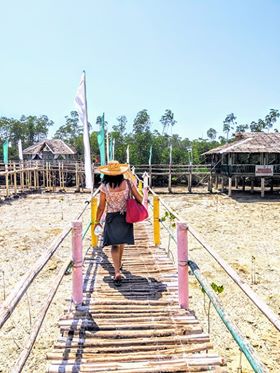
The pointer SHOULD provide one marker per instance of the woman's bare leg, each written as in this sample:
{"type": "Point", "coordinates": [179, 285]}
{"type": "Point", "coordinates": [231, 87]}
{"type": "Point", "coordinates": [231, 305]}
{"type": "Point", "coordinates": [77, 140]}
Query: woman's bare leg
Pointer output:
{"type": "Point", "coordinates": [115, 251]}
{"type": "Point", "coordinates": [121, 254]}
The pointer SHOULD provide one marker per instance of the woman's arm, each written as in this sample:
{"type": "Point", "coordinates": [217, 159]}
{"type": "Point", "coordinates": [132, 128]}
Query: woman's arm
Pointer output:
{"type": "Point", "coordinates": [136, 194]}
{"type": "Point", "coordinates": [101, 208]}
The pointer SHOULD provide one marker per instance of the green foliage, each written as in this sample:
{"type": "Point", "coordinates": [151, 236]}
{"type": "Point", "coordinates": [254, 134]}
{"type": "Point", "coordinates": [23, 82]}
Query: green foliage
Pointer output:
{"type": "Point", "coordinates": [168, 216]}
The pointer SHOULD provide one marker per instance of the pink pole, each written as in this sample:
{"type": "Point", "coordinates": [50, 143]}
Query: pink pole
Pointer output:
{"type": "Point", "coordinates": [77, 256]}
{"type": "Point", "coordinates": [182, 251]}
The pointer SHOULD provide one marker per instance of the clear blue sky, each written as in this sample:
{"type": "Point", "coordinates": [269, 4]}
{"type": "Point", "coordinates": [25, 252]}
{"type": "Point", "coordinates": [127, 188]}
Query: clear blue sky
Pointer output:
{"type": "Point", "coordinates": [203, 59]}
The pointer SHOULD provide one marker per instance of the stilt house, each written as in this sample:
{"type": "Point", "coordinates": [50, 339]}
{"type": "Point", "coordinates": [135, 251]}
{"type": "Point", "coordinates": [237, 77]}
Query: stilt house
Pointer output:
{"type": "Point", "coordinates": [253, 155]}
{"type": "Point", "coordinates": [50, 150]}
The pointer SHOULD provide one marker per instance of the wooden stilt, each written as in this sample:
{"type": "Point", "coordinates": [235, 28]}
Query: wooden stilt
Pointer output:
{"type": "Point", "coordinates": [190, 180]}
{"type": "Point", "coordinates": [262, 187]}
{"type": "Point", "coordinates": [210, 183]}
{"type": "Point", "coordinates": [243, 184]}
{"type": "Point", "coordinates": [7, 180]}
{"type": "Point", "coordinates": [252, 186]}
{"type": "Point", "coordinates": [15, 178]}
{"type": "Point", "coordinates": [229, 186]}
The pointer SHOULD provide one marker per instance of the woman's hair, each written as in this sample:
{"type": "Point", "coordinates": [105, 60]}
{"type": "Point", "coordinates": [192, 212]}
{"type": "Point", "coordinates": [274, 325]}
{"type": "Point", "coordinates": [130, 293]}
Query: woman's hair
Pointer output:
{"type": "Point", "coordinates": [114, 181]}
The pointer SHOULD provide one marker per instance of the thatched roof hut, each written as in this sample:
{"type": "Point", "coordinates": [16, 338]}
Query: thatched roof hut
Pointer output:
{"type": "Point", "coordinates": [50, 150]}
{"type": "Point", "coordinates": [250, 142]}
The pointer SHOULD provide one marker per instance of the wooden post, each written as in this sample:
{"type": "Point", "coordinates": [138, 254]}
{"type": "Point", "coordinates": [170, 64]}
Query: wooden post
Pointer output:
{"type": "Point", "coordinates": [59, 175]}
{"type": "Point", "coordinates": [150, 176]}
{"type": "Point", "coordinates": [156, 221]}
{"type": "Point", "coordinates": [77, 278]}
{"type": "Point", "coordinates": [229, 186]}
{"type": "Point", "coordinates": [44, 176]}
{"type": "Point", "coordinates": [21, 176]}
{"type": "Point", "coordinates": [210, 183]}
{"type": "Point", "coordinates": [146, 190]}
{"type": "Point", "coordinates": [252, 186]}
{"type": "Point", "coordinates": [190, 180]}
{"type": "Point", "coordinates": [243, 184]}
{"type": "Point", "coordinates": [236, 182]}
{"type": "Point", "coordinates": [62, 175]}
{"type": "Point", "coordinates": [223, 185]}
{"type": "Point", "coordinates": [7, 180]}
{"type": "Point", "coordinates": [94, 238]}
{"type": "Point", "coordinates": [262, 187]}
{"type": "Point", "coordinates": [77, 178]}
{"type": "Point", "coordinates": [15, 178]}
{"type": "Point", "coordinates": [182, 251]}
{"type": "Point", "coordinates": [216, 182]}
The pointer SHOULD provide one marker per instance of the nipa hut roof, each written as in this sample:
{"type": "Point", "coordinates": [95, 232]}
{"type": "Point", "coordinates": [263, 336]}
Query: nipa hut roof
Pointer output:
{"type": "Point", "coordinates": [250, 142]}
{"type": "Point", "coordinates": [55, 146]}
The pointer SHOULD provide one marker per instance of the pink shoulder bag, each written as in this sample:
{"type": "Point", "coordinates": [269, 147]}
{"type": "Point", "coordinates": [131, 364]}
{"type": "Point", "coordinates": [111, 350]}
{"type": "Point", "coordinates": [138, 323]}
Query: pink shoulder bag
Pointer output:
{"type": "Point", "coordinates": [135, 211]}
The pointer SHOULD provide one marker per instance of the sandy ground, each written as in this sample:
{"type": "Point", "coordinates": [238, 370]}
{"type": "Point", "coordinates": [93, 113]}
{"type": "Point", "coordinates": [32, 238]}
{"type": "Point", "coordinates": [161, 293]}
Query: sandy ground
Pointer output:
{"type": "Point", "coordinates": [238, 229]}
{"type": "Point", "coordinates": [244, 231]}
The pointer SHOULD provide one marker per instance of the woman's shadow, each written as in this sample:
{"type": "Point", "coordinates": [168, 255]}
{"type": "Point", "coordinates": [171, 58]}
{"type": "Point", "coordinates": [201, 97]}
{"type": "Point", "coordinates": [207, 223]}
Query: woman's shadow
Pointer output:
{"type": "Point", "coordinates": [132, 286]}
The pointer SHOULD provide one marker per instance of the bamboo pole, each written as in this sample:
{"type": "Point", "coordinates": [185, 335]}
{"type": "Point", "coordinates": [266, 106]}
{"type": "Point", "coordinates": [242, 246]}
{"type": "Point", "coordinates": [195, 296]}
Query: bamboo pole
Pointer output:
{"type": "Point", "coordinates": [62, 175]}
{"type": "Point", "coordinates": [7, 180]}
{"type": "Point", "coordinates": [59, 175]}
{"type": "Point", "coordinates": [190, 180]}
{"type": "Point", "coordinates": [37, 326]}
{"type": "Point", "coordinates": [156, 221]}
{"type": "Point", "coordinates": [15, 178]}
{"type": "Point", "coordinates": [94, 238]}
{"type": "Point", "coordinates": [262, 187]}
{"type": "Point", "coordinates": [77, 274]}
{"type": "Point", "coordinates": [21, 177]}
{"type": "Point", "coordinates": [15, 296]}
{"type": "Point", "coordinates": [182, 251]}
{"type": "Point", "coordinates": [240, 340]}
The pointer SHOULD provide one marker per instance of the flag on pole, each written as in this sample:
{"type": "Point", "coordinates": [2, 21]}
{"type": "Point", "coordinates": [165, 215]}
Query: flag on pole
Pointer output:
{"type": "Point", "coordinates": [127, 154]}
{"type": "Point", "coordinates": [81, 107]}
{"type": "Point", "coordinates": [20, 155]}
{"type": "Point", "coordinates": [101, 141]}
{"type": "Point", "coordinates": [6, 151]}
{"type": "Point", "coordinates": [150, 156]}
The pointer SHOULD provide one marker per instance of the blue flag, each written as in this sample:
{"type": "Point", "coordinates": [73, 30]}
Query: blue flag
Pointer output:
{"type": "Point", "coordinates": [5, 151]}
{"type": "Point", "coordinates": [101, 141]}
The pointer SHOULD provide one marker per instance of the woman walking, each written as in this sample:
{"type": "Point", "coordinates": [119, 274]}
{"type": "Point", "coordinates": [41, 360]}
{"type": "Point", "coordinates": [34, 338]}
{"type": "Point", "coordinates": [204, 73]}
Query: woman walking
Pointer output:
{"type": "Point", "coordinates": [114, 193]}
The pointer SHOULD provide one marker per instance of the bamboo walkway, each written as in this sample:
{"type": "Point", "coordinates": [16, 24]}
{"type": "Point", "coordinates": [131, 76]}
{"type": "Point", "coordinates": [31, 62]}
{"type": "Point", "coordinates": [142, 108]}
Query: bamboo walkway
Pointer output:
{"type": "Point", "coordinates": [137, 327]}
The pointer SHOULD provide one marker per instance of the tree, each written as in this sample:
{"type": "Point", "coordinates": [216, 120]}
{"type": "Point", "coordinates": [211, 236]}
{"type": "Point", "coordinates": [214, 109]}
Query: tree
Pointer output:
{"type": "Point", "coordinates": [242, 127]}
{"type": "Point", "coordinates": [71, 130]}
{"type": "Point", "coordinates": [212, 133]}
{"type": "Point", "coordinates": [142, 122]}
{"type": "Point", "coordinates": [229, 124]}
{"type": "Point", "coordinates": [121, 126]}
{"type": "Point", "coordinates": [167, 120]}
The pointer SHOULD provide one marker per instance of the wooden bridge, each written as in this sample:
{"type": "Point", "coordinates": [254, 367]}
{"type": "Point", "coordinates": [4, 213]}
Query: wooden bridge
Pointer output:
{"type": "Point", "coordinates": [137, 327]}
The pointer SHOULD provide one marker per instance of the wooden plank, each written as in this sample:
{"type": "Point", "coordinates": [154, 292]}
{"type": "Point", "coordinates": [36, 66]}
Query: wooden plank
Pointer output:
{"type": "Point", "coordinates": [138, 327]}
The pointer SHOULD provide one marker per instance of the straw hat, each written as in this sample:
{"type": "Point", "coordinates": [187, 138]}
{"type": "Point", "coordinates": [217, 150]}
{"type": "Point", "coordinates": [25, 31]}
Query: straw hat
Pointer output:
{"type": "Point", "coordinates": [113, 168]}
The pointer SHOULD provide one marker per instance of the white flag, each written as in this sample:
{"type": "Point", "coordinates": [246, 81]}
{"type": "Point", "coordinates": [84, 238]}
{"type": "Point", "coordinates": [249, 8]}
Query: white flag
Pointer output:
{"type": "Point", "coordinates": [20, 155]}
{"type": "Point", "coordinates": [127, 154]}
{"type": "Point", "coordinates": [81, 107]}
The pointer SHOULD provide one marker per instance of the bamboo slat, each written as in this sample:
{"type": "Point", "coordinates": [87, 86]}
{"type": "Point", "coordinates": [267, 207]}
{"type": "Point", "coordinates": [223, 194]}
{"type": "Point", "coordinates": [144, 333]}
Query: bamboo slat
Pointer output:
{"type": "Point", "coordinates": [137, 327]}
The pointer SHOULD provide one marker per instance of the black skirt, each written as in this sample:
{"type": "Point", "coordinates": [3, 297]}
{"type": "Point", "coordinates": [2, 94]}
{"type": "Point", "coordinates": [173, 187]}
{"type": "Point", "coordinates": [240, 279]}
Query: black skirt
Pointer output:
{"type": "Point", "coordinates": [116, 230]}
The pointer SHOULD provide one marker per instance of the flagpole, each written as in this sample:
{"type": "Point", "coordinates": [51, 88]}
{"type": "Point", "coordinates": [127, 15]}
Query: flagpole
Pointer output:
{"type": "Point", "coordinates": [87, 149]}
{"type": "Point", "coordinates": [81, 106]}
